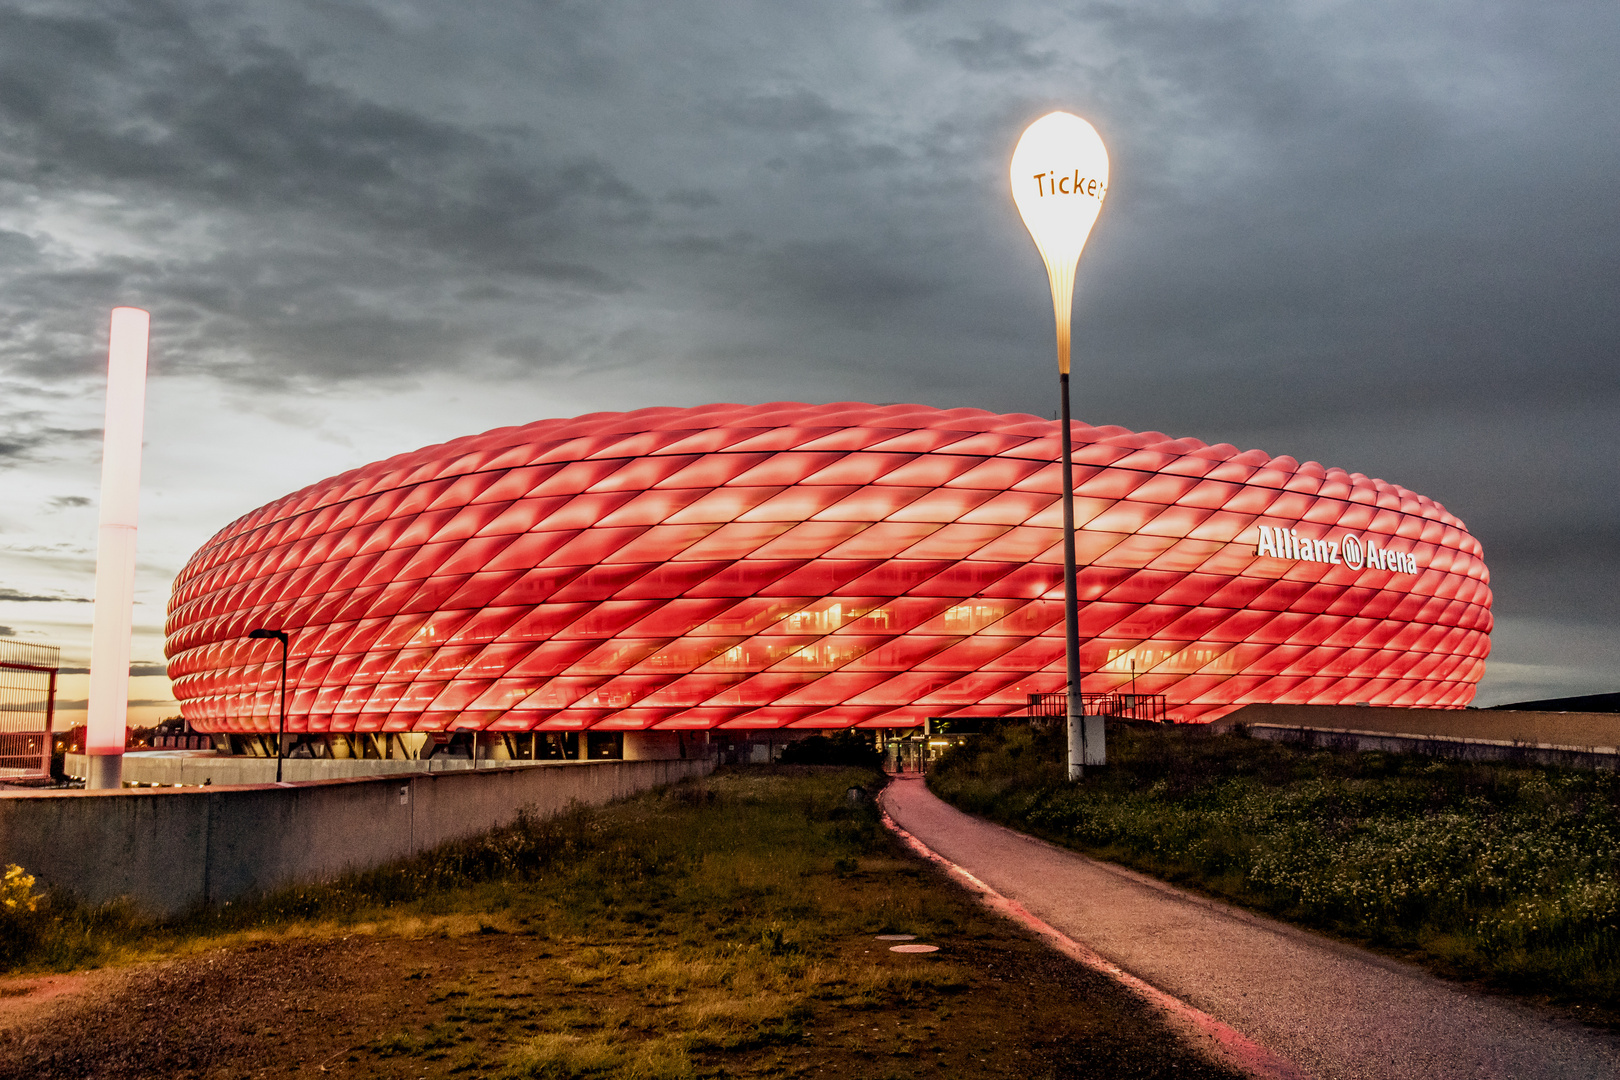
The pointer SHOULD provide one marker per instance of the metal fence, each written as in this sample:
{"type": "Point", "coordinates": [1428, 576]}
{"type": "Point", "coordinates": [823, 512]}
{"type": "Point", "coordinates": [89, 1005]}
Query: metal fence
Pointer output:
{"type": "Point", "coordinates": [1149, 707]}
{"type": "Point", "coordinates": [27, 708]}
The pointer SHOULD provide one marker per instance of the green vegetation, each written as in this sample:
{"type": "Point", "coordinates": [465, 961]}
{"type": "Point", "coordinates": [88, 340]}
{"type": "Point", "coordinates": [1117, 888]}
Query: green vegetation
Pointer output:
{"type": "Point", "coordinates": [1486, 871]}
{"type": "Point", "coordinates": [849, 747]}
{"type": "Point", "coordinates": [20, 918]}
{"type": "Point", "coordinates": [720, 927]}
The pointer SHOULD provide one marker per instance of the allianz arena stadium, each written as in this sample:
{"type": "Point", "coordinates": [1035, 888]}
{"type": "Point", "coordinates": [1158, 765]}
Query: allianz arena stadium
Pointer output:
{"type": "Point", "coordinates": [818, 566]}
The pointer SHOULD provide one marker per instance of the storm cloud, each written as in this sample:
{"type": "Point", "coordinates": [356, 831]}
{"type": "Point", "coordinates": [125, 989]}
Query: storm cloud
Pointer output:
{"type": "Point", "coordinates": [15, 596]}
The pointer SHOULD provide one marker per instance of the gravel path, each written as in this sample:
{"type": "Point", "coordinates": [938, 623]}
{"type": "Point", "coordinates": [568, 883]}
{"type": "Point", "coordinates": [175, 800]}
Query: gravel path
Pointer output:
{"type": "Point", "coordinates": [1333, 1010]}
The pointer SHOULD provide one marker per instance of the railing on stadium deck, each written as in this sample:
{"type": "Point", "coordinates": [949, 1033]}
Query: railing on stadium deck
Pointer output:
{"type": "Point", "coordinates": [27, 708]}
{"type": "Point", "coordinates": [1148, 707]}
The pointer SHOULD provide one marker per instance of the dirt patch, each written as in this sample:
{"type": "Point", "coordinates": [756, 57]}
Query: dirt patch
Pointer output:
{"type": "Point", "coordinates": [997, 1005]}
{"type": "Point", "coordinates": [22, 1000]}
{"type": "Point", "coordinates": [223, 1014]}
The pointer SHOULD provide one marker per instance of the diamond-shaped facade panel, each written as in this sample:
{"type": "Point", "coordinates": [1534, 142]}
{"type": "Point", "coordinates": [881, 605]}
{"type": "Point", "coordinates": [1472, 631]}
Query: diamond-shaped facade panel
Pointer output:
{"type": "Point", "coordinates": [818, 566]}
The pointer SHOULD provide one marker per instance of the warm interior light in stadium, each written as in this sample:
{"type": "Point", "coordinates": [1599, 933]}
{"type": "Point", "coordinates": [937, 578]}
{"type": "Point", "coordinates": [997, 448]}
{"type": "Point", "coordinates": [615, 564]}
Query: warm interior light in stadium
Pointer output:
{"type": "Point", "coordinates": [1059, 176]}
{"type": "Point", "coordinates": [105, 728]}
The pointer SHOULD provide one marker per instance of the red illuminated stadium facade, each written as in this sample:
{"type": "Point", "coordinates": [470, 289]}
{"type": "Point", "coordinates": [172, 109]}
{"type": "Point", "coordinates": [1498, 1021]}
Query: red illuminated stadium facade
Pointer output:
{"type": "Point", "coordinates": [813, 566]}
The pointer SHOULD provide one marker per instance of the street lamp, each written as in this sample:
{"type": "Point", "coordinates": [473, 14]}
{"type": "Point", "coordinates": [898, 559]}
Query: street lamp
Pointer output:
{"type": "Point", "coordinates": [281, 723]}
{"type": "Point", "coordinates": [1059, 176]}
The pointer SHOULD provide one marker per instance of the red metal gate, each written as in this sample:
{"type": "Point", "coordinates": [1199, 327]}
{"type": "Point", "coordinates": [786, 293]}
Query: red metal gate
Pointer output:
{"type": "Point", "coordinates": [27, 708]}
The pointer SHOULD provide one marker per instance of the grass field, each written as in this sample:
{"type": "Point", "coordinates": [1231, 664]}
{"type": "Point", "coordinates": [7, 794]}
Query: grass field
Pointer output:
{"type": "Point", "coordinates": [719, 928]}
{"type": "Point", "coordinates": [1501, 873]}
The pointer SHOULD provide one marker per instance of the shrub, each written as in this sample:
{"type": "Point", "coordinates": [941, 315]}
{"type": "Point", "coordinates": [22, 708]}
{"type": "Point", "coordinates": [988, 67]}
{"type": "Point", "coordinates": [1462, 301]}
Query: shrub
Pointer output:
{"type": "Point", "coordinates": [849, 748]}
{"type": "Point", "coordinates": [21, 920]}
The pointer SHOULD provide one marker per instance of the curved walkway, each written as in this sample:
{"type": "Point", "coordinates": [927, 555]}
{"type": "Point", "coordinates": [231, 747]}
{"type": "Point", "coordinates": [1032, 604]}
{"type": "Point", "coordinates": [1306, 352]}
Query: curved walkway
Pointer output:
{"type": "Point", "coordinates": [1335, 1012]}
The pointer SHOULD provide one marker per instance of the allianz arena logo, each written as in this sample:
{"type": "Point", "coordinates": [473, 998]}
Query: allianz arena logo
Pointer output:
{"type": "Point", "coordinates": [1348, 550]}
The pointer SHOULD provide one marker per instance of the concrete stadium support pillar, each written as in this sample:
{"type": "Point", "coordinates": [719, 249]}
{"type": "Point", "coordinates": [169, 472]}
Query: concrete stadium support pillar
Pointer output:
{"type": "Point", "coordinates": [106, 730]}
{"type": "Point", "coordinates": [654, 746]}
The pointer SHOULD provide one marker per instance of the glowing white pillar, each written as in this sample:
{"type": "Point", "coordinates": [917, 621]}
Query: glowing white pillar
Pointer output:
{"type": "Point", "coordinates": [115, 552]}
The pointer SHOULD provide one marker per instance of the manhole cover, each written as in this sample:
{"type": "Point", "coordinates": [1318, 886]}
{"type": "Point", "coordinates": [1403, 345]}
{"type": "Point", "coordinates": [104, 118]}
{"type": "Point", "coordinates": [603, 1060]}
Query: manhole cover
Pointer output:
{"type": "Point", "coordinates": [897, 937]}
{"type": "Point", "coordinates": [914, 948]}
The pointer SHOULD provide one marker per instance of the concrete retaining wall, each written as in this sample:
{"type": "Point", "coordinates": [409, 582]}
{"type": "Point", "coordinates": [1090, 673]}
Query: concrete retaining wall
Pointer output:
{"type": "Point", "coordinates": [1572, 729]}
{"type": "Point", "coordinates": [1577, 740]}
{"type": "Point", "coordinates": [170, 849]}
{"type": "Point", "coordinates": [1578, 757]}
{"type": "Point", "coordinates": [198, 767]}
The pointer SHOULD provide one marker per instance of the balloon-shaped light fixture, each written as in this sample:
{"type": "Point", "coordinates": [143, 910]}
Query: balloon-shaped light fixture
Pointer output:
{"type": "Point", "coordinates": [1059, 176]}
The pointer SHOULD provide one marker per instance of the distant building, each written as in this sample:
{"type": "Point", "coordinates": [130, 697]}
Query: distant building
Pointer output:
{"type": "Point", "coordinates": [795, 565]}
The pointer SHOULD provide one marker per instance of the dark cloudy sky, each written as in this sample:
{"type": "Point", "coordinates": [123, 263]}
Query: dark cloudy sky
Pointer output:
{"type": "Point", "coordinates": [1383, 235]}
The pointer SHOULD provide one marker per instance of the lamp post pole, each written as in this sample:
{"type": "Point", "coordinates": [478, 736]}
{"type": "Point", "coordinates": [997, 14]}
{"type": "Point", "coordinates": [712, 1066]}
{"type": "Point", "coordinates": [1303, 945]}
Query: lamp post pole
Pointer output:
{"type": "Point", "coordinates": [1071, 590]}
{"type": "Point", "coordinates": [1059, 176]}
{"type": "Point", "coordinates": [281, 698]}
